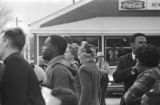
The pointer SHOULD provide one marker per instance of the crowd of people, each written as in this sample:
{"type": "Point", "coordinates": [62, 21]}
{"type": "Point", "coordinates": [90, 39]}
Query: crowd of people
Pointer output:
{"type": "Point", "coordinates": [75, 74]}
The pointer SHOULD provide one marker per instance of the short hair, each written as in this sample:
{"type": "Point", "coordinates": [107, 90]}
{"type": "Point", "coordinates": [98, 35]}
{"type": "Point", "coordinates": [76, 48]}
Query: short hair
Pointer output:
{"type": "Point", "coordinates": [134, 36]}
{"type": "Point", "coordinates": [16, 36]}
{"type": "Point", "coordinates": [67, 96]}
{"type": "Point", "coordinates": [59, 42]}
{"type": "Point", "coordinates": [148, 56]}
{"type": "Point", "coordinates": [73, 49]}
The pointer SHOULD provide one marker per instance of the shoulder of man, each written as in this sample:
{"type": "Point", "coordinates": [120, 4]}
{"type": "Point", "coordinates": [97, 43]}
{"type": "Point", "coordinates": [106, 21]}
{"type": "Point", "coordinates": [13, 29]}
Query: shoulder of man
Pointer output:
{"type": "Point", "coordinates": [65, 66]}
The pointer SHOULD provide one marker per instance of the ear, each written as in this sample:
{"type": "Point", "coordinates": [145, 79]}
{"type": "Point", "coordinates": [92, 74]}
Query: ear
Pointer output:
{"type": "Point", "coordinates": [5, 42]}
{"type": "Point", "coordinates": [55, 48]}
{"type": "Point", "coordinates": [132, 45]}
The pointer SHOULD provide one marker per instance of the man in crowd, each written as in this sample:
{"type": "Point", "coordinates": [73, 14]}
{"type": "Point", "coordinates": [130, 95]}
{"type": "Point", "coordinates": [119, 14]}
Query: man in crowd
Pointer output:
{"type": "Point", "coordinates": [19, 83]}
{"type": "Point", "coordinates": [59, 73]}
{"type": "Point", "coordinates": [148, 81]}
{"type": "Point", "coordinates": [104, 70]}
{"type": "Point", "coordinates": [126, 71]}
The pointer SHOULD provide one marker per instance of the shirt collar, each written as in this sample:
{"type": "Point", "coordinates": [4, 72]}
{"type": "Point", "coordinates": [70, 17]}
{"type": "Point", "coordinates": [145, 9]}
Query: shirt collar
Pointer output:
{"type": "Point", "coordinates": [133, 56]}
{"type": "Point", "coordinates": [54, 60]}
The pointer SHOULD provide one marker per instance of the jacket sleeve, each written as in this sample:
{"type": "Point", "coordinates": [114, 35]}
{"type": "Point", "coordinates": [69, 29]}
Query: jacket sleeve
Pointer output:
{"type": "Point", "coordinates": [86, 87]}
{"type": "Point", "coordinates": [142, 85]}
{"type": "Point", "coordinates": [121, 72]}
{"type": "Point", "coordinates": [16, 82]}
{"type": "Point", "coordinates": [61, 77]}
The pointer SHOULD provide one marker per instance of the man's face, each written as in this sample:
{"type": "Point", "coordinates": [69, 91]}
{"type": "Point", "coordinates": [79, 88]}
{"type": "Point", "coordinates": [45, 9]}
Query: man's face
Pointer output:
{"type": "Point", "coordinates": [101, 58]}
{"type": "Point", "coordinates": [140, 41]}
{"type": "Point", "coordinates": [48, 50]}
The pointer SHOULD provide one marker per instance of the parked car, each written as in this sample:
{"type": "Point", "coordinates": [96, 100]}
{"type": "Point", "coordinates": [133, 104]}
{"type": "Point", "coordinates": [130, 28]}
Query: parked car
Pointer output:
{"type": "Point", "coordinates": [114, 88]}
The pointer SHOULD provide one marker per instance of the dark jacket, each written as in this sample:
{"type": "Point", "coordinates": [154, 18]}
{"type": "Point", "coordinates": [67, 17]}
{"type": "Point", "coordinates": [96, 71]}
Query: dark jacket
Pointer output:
{"type": "Point", "coordinates": [20, 85]}
{"type": "Point", "coordinates": [60, 74]}
{"type": "Point", "coordinates": [1, 77]}
{"type": "Point", "coordinates": [88, 84]}
{"type": "Point", "coordinates": [123, 71]}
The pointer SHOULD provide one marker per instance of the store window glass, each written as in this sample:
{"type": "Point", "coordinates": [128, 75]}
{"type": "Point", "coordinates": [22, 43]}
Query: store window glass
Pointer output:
{"type": "Point", "coordinates": [115, 47]}
{"type": "Point", "coordinates": [155, 40]}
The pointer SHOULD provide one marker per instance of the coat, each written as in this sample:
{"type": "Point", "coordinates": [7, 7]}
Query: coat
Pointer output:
{"type": "Point", "coordinates": [123, 72]}
{"type": "Point", "coordinates": [60, 74]}
{"type": "Point", "coordinates": [19, 84]}
{"type": "Point", "coordinates": [88, 84]}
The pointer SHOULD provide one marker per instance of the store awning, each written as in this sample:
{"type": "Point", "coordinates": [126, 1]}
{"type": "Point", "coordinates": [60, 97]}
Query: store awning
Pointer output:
{"type": "Point", "coordinates": [87, 9]}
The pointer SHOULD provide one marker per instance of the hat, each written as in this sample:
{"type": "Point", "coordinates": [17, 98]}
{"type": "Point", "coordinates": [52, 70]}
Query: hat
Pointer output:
{"type": "Point", "coordinates": [89, 48]}
{"type": "Point", "coordinates": [100, 54]}
{"type": "Point", "coordinates": [83, 43]}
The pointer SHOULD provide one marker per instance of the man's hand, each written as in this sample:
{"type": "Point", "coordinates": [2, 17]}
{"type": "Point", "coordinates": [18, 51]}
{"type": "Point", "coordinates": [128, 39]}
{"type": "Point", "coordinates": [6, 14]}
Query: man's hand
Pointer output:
{"type": "Point", "coordinates": [134, 69]}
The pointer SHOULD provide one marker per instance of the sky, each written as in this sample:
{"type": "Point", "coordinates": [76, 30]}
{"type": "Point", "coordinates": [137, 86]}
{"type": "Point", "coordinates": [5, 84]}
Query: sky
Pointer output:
{"type": "Point", "coordinates": [28, 11]}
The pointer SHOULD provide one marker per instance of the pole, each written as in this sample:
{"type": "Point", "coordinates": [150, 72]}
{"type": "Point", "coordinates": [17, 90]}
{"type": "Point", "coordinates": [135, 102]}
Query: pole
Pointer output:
{"type": "Point", "coordinates": [73, 1]}
{"type": "Point", "coordinates": [16, 22]}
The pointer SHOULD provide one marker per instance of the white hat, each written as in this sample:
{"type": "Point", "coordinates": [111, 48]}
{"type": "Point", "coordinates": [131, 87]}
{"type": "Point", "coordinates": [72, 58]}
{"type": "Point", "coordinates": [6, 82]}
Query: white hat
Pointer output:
{"type": "Point", "coordinates": [100, 54]}
{"type": "Point", "coordinates": [83, 43]}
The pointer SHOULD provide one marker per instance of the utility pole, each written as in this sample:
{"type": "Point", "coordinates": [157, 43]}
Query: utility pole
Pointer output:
{"type": "Point", "coordinates": [73, 1]}
{"type": "Point", "coordinates": [16, 22]}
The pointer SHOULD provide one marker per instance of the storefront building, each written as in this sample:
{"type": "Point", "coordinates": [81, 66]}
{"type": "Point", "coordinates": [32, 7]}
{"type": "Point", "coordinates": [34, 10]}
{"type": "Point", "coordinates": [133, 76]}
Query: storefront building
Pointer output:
{"type": "Point", "coordinates": [108, 24]}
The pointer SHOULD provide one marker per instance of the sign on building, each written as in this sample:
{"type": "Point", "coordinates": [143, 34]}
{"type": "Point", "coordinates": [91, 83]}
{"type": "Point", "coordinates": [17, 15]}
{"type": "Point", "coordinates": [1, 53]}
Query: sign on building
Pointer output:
{"type": "Point", "coordinates": [139, 4]}
{"type": "Point", "coordinates": [132, 4]}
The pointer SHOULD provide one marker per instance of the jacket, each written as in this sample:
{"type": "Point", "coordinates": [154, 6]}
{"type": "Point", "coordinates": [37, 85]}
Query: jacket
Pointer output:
{"type": "Point", "coordinates": [88, 84]}
{"type": "Point", "coordinates": [123, 72]}
{"type": "Point", "coordinates": [148, 84]}
{"type": "Point", "coordinates": [19, 84]}
{"type": "Point", "coordinates": [60, 74]}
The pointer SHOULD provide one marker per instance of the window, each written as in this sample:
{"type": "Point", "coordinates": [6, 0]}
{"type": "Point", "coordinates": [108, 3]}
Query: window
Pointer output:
{"type": "Point", "coordinates": [116, 46]}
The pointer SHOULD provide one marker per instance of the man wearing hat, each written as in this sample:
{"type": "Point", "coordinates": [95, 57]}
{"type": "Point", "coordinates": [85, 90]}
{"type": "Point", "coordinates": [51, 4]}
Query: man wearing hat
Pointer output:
{"type": "Point", "coordinates": [103, 67]}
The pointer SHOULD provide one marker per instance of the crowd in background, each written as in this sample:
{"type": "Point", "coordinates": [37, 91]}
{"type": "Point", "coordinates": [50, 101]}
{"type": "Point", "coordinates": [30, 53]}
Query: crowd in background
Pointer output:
{"type": "Point", "coordinates": [72, 74]}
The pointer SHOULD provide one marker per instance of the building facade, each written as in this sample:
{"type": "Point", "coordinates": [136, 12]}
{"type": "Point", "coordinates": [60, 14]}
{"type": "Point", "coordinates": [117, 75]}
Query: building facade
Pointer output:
{"type": "Point", "coordinates": [108, 24]}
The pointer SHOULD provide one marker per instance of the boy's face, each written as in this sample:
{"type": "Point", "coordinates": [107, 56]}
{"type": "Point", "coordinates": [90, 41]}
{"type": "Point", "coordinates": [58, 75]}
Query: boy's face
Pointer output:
{"type": "Point", "coordinates": [48, 50]}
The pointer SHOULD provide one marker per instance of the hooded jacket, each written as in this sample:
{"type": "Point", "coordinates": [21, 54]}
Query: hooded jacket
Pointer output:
{"type": "Point", "coordinates": [60, 74]}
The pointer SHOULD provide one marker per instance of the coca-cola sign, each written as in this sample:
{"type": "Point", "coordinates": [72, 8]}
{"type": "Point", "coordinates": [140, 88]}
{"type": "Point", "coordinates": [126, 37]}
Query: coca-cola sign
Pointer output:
{"type": "Point", "coordinates": [132, 4]}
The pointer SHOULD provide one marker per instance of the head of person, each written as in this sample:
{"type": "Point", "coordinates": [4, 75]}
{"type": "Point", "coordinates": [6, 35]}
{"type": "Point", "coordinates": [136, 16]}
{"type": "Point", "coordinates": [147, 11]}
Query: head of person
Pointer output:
{"type": "Point", "coordinates": [68, 39]}
{"type": "Point", "coordinates": [100, 56]}
{"type": "Point", "coordinates": [72, 51]}
{"type": "Point", "coordinates": [54, 46]}
{"type": "Point", "coordinates": [147, 56]}
{"type": "Point", "coordinates": [138, 40]}
{"type": "Point", "coordinates": [65, 96]}
{"type": "Point", "coordinates": [86, 53]}
{"type": "Point", "coordinates": [11, 40]}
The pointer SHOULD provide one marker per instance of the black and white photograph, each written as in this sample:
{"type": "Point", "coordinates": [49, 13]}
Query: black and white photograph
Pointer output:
{"type": "Point", "coordinates": [79, 52]}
